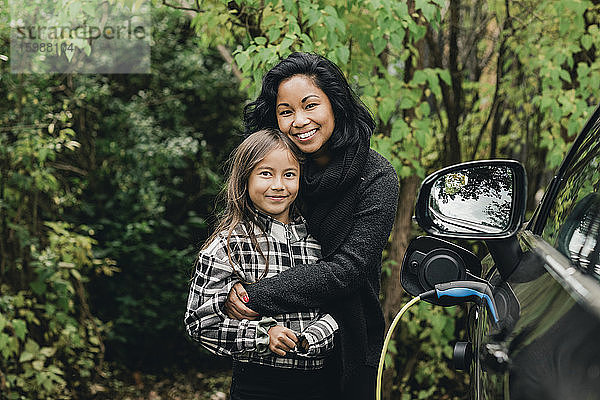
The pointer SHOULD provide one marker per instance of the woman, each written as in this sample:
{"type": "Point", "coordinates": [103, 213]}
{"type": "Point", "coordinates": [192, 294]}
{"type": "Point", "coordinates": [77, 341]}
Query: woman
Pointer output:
{"type": "Point", "coordinates": [349, 195]}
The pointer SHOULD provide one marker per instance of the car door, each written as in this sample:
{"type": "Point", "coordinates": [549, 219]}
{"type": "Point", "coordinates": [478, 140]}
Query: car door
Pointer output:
{"type": "Point", "coordinates": [549, 347]}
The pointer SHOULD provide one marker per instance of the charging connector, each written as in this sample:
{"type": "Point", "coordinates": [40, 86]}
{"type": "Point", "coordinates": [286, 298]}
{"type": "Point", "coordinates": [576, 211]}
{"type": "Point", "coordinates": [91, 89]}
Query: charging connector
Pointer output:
{"type": "Point", "coordinates": [450, 293]}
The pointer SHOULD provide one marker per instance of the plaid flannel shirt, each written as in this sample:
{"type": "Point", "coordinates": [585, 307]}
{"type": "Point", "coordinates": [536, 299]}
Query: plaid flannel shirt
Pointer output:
{"type": "Point", "coordinates": [247, 341]}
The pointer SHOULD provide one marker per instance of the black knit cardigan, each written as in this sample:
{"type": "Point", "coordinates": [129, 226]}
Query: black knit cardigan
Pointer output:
{"type": "Point", "coordinates": [347, 282]}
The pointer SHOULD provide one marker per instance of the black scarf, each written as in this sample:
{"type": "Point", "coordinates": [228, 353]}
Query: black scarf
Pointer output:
{"type": "Point", "coordinates": [330, 195]}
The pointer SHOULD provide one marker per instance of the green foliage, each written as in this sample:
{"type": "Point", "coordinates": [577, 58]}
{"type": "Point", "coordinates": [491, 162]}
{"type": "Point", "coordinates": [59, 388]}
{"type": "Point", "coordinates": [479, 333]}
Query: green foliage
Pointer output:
{"type": "Point", "coordinates": [557, 72]}
{"type": "Point", "coordinates": [106, 183]}
{"type": "Point", "coordinates": [424, 359]}
{"type": "Point", "coordinates": [50, 344]}
{"type": "Point", "coordinates": [159, 152]}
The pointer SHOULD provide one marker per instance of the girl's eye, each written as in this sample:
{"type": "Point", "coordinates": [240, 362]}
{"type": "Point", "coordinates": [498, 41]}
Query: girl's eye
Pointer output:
{"type": "Point", "coordinates": [311, 105]}
{"type": "Point", "coordinates": [290, 174]}
{"type": "Point", "coordinates": [285, 112]}
{"type": "Point", "coordinates": [264, 173]}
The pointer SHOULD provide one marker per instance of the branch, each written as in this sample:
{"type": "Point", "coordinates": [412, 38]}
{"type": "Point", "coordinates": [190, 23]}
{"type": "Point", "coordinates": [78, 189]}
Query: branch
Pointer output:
{"type": "Point", "coordinates": [197, 9]}
{"type": "Point", "coordinates": [499, 67]}
{"type": "Point", "coordinates": [66, 167]}
{"type": "Point", "coordinates": [229, 59]}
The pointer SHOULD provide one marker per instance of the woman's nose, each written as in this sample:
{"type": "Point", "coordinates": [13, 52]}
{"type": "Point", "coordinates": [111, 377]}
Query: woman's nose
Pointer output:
{"type": "Point", "coordinates": [300, 120]}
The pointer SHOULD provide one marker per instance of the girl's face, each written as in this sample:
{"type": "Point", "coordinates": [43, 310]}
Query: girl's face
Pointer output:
{"type": "Point", "coordinates": [304, 113]}
{"type": "Point", "coordinates": [273, 184]}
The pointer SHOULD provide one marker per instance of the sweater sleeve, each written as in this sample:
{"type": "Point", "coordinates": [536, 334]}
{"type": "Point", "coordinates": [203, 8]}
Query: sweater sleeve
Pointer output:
{"type": "Point", "coordinates": [205, 321]}
{"type": "Point", "coordinates": [356, 262]}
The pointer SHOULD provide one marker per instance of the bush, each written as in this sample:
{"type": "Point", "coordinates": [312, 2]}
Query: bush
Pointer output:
{"type": "Point", "coordinates": [50, 344]}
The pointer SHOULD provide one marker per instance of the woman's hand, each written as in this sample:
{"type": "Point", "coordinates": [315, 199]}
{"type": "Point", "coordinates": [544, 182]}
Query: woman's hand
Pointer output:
{"type": "Point", "coordinates": [281, 340]}
{"type": "Point", "coordinates": [235, 307]}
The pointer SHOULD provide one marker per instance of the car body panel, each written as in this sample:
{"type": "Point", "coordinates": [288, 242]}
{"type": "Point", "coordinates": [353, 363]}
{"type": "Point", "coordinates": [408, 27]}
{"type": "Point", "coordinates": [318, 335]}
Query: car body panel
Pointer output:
{"type": "Point", "coordinates": [553, 347]}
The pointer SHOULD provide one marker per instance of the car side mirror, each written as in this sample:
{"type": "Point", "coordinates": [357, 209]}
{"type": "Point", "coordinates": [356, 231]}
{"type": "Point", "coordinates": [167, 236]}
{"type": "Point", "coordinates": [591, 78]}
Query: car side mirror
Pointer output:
{"type": "Point", "coordinates": [473, 200]}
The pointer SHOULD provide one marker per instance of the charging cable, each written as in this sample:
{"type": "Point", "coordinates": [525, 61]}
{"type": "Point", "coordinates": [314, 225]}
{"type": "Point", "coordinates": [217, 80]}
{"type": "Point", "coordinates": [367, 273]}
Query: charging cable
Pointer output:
{"type": "Point", "coordinates": [413, 301]}
{"type": "Point", "coordinates": [446, 294]}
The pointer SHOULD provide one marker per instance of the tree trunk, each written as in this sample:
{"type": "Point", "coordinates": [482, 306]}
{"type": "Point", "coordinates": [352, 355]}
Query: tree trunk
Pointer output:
{"type": "Point", "coordinates": [455, 107]}
{"type": "Point", "coordinates": [393, 292]}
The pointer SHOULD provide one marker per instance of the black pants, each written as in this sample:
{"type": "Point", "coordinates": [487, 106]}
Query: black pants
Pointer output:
{"type": "Point", "coordinates": [259, 382]}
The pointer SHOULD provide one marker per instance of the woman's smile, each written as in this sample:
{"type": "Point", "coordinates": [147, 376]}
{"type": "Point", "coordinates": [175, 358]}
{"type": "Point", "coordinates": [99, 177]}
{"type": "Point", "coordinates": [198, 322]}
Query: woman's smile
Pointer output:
{"type": "Point", "coordinates": [304, 136]}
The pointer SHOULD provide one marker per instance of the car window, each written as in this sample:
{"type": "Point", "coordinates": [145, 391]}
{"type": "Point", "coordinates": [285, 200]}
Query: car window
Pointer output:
{"type": "Point", "coordinates": [573, 223]}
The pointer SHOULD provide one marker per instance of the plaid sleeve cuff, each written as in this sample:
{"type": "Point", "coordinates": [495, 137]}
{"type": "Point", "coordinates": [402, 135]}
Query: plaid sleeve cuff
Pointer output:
{"type": "Point", "coordinates": [221, 297]}
{"type": "Point", "coordinates": [319, 336]}
{"type": "Point", "coordinates": [262, 334]}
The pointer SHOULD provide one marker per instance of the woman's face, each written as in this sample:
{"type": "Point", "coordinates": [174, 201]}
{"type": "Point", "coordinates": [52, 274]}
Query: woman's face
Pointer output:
{"type": "Point", "coordinates": [304, 113]}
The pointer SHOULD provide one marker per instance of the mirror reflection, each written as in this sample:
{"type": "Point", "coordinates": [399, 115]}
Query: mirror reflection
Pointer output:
{"type": "Point", "coordinates": [579, 236]}
{"type": "Point", "coordinates": [475, 199]}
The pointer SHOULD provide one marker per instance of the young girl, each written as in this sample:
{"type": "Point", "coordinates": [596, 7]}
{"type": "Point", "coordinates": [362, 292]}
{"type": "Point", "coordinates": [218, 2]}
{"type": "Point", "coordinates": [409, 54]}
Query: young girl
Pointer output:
{"type": "Point", "coordinates": [260, 235]}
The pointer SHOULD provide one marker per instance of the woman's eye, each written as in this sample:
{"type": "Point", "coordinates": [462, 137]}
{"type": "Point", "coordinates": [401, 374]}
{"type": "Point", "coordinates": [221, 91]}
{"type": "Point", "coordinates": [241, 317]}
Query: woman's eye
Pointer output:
{"type": "Point", "coordinates": [311, 105]}
{"type": "Point", "coordinates": [285, 113]}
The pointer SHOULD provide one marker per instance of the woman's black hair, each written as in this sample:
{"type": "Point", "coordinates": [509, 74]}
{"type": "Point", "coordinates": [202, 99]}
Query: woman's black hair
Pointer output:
{"type": "Point", "coordinates": [353, 121]}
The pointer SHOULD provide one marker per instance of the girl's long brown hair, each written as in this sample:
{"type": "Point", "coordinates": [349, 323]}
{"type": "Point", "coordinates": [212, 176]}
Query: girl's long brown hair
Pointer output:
{"type": "Point", "coordinates": [239, 210]}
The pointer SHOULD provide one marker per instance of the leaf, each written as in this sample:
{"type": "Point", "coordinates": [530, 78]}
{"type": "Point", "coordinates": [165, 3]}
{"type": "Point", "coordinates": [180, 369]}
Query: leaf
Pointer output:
{"type": "Point", "coordinates": [38, 365]}
{"type": "Point", "coordinates": [314, 15]}
{"type": "Point", "coordinates": [290, 6]}
{"type": "Point", "coordinates": [285, 44]}
{"type": "Point", "coordinates": [67, 131]}
{"type": "Point", "coordinates": [31, 346]}
{"type": "Point", "coordinates": [397, 39]}
{"type": "Point", "coordinates": [379, 44]}
{"type": "Point", "coordinates": [20, 328]}
{"type": "Point", "coordinates": [343, 54]}
{"type": "Point", "coordinates": [76, 274]}
{"type": "Point", "coordinates": [419, 4]}
{"type": "Point", "coordinates": [38, 287]}
{"type": "Point", "coordinates": [422, 137]}
{"type": "Point", "coordinates": [429, 11]}
{"type": "Point", "coordinates": [400, 130]}
{"type": "Point", "coordinates": [565, 75]}
{"type": "Point", "coordinates": [241, 59]}
{"type": "Point", "coordinates": [419, 77]}
{"type": "Point", "coordinates": [273, 34]}
{"type": "Point", "coordinates": [587, 41]}
{"type": "Point", "coordinates": [406, 102]}
{"type": "Point", "coordinates": [69, 51]}
{"type": "Point", "coordinates": [386, 108]}
{"type": "Point", "coordinates": [54, 369]}
{"type": "Point", "coordinates": [445, 76]}
{"type": "Point", "coordinates": [26, 356]}
{"type": "Point", "coordinates": [48, 351]}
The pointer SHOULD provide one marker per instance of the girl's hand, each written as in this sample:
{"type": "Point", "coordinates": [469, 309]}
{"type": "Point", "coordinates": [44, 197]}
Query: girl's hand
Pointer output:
{"type": "Point", "coordinates": [235, 307]}
{"type": "Point", "coordinates": [281, 340]}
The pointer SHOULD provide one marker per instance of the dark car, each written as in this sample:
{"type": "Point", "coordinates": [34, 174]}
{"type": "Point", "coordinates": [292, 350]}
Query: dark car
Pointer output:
{"type": "Point", "coordinates": [538, 336]}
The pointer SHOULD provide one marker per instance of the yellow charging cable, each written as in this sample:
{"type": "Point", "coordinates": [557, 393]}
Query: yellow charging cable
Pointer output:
{"type": "Point", "coordinates": [387, 341]}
